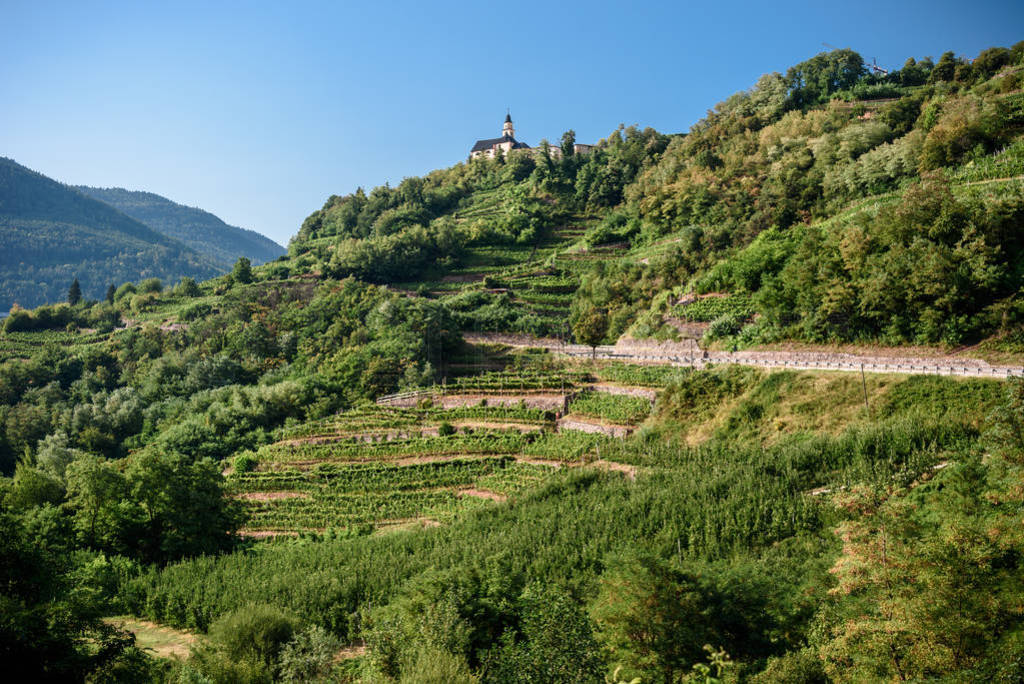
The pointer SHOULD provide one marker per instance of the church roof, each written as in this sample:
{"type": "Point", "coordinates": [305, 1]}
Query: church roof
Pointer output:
{"type": "Point", "coordinates": [484, 145]}
{"type": "Point", "coordinates": [508, 118]}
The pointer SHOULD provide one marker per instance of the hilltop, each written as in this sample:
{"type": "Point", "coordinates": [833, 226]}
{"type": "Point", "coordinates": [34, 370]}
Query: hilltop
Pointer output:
{"type": "Point", "coordinates": [51, 234]}
{"type": "Point", "coordinates": [200, 230]}
{"type": "Point", "coordinates": [825, 205]}
{"type": "Point", "coordinates": [408, 452]}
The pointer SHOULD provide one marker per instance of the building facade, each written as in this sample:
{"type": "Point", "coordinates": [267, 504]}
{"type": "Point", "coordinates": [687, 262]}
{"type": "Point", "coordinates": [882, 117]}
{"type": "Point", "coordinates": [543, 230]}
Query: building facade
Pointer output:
{"type": "Point", "coordinates": [507, 143]}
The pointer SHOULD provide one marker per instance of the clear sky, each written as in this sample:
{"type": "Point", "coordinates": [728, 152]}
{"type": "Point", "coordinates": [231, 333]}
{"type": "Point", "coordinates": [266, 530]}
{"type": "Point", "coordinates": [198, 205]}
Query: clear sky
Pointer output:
{"type": "Point", "coordinates": [258, 111]}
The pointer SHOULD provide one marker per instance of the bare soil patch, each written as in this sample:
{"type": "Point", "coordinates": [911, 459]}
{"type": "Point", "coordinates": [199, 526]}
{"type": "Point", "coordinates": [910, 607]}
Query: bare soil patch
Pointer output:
{"type": "Point", "coordinates": [494, 425]}
{"type": "Point", "coordinates": [546, 401]}
{"type": "Point", "coordinates": [349, 652]}
{"type": "Point", "coordinates": [594, 426]}
{"type": "Point", "coordinates": [267, 534]}
{"type": "Point", "coordinates": [463, 278]}
{"type": "Point", "coordinates": [482, 494]}
{"type": "Point", "coordinates": [626, 469]}
{"type": "Point", "coordinates": [161, 641]}
{"type": "Point", "coordinates": [271, 496]}
{"type": "Point", "coordinates": [397, 525]}
{"type": "Point", "coordinates": [624, 390]}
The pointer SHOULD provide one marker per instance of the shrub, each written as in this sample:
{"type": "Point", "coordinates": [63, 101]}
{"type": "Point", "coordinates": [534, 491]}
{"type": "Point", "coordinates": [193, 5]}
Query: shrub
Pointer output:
{"type": "Point", "coordinates": [124, 291]}
{"type": "Point", "coordinates": [437, 666]}
{"type": "Point", "coordinates": [726, 325]}
{"type": "Point", "coordinates": [254, 633]}
{"type": "Point", "coordinates": [309, 656]}
{"type": "Point", "coordinates": [445, 429]}
{"type": "Point", "coordinates": [18, 320]}
{"type": "Point", "coordinates": [186, 287]}
{"type": "Point", "coordinates": [150, 285]}
{"type": "Point", "coordinates": [245, 463]}
{"type": "Point", "coordinates": [195, 311]}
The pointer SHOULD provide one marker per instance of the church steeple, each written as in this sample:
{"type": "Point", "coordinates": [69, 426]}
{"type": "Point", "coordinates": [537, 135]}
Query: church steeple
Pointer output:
{"type": "Point", "coordinates": [507, 130]}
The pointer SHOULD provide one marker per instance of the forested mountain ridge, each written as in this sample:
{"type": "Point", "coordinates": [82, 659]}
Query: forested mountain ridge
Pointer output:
{"type": "Point", "coordinates": [51, 234]}
{"type": "Point", "coordinates": [219, 457]}
{"type": "Point", "coordinates": [200, 230]}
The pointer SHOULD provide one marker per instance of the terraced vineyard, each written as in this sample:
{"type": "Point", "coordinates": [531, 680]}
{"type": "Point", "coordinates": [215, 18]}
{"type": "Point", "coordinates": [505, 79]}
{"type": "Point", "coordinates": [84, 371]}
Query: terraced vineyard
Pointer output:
{"type": "Point", "coordinates": [458, 447]}
{"type": "Point", "coordinates": [620, 409]}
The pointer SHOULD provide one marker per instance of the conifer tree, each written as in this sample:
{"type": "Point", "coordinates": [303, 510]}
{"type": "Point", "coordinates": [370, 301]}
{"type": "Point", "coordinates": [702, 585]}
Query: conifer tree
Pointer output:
{"type": "Point", "coordinates": [74, 293]}
{"type": "Point", "coordinates": [242, 272]}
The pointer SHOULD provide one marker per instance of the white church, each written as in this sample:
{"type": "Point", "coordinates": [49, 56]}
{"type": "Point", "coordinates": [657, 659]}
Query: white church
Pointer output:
{"type": "Point", "coordinates": [507, 142]}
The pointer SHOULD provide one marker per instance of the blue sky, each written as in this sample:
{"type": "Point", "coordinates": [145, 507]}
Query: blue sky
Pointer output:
{"type": "Point", "coordinates": [260, 111]}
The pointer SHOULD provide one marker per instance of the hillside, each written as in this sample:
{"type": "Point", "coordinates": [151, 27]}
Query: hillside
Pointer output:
{"type": "Point", "coordinates": [198, 229]}
{"type": "Point", "coordinates": [835, 211]}
{"type": "Point", "coordinates": [722, 406]}
{"type": "Point", "coordinates": [51, 234]}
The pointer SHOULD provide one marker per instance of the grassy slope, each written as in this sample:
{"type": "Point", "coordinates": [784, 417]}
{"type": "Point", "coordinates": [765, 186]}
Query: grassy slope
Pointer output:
{"type": "Point", "coordinates": [732, 412]}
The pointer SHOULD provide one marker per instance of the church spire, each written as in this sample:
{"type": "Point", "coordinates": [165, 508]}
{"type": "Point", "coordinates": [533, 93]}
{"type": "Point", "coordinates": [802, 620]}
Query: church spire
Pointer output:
{"type": "Point", "coordinates": [507, 131]}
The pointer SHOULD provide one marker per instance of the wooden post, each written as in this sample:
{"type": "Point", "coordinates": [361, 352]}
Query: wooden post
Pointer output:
{"type": "Point", "coordinates": [864, 385]}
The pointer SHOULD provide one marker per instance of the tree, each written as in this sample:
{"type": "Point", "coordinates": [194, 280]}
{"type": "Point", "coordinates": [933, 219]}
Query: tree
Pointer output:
{"type": "Point", "coordinates": [945, 70]}
{"type": "Point", "coordinates": [74, 293]}
{"type": "Point", "coordinates": [242, 272]}
{"type": "Point", "coordinates": [111, 290]}
{"type": "Point", "coordinates": [654, 619]}
{"type": "Point", "coordinates": [568, 143]}
{"type": "Point", "coordinates": [186, 287]}
{"type": "Point", "coordinates": [591, 327]}
{"type": "Point", "coordinates": [257, 632]}
{"type": "Point", "coordinates": [556, 642]}
{"type": "Point", "coordinates": [812, 82]}
{"type": "Point", "coordinates": [183, 510]}
{"type": "Point", "coordinates": [94, 489]}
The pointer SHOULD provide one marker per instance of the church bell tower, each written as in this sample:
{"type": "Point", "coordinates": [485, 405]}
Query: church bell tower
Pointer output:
{"type": "Point", "coordinates": [507, 131]}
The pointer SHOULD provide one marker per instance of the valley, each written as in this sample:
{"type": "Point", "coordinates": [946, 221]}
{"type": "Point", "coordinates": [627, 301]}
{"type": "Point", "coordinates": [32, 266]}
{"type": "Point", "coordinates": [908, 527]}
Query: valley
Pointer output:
{"type": "Point", "coordinates": [744, 404]}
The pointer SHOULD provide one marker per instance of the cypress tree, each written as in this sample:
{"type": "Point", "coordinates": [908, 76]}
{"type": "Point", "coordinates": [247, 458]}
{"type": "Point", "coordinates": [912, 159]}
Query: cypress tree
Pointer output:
{"type": "Point", "coordinates": [110, 293]}
{"type": "Point", "coordinates": [74, 293]}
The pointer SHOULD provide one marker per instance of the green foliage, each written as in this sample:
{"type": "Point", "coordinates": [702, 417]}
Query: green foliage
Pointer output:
{"type": "Point", "coordinates": [437, 666]}
{"type": "Point", "coordinates": [186, 287]}
{"type": "Point", "coordinates": [709, 308]}
{"type": "Point", "coordinates": [242, 271]}
{"type": "Point", "coordinates": [655, 619]}
{"type": "Point", "coordinates": [611, 407]}
{"type": "Point", "coordinates": [245, 463]}
{"type": "Point", "coordinates": [591, 327]}
{"type": "Point", "coordinates": [966, 125]}
{"type": "Point", "coordinates": [699, 550]}
{"type": "Point", "coordinates": [555, 642]}
{"type": "Point", "coordinates": [50, 234]}
{"type": "Point", "coordinates": [74, 293]}
{"type": "Point", "coordinates": [200, 230]}
{"type": "Point", "coordinates": [896, 274]}
{"type": "Point", "coordinates": [50, 606]}
{"type": "Point", "coordinates": [150, 285]}
{"type": "Point", "coordinates": [60, 316]}
{"type": "Point", "coordinates": [256, 632]}
{"type": "Point", "coordinates": [309, 656]}
{"type": "Point", "coordinates": [725, 325]}
{"type": "Point", "coordinates": [350, 495]}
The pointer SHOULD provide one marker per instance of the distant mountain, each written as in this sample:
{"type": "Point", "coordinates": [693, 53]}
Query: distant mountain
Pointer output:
{"type": "Point", "coordinates": [200, 230]}
{"type": "Point", "coordinates": [50, 234]}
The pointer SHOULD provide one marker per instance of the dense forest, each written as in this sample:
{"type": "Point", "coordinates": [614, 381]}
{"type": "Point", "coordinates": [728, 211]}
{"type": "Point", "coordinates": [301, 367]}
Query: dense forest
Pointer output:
{"type": "Point", "coordinates": [51, 234]}
{"type": "Point", "coordinates": [198, 229]}
{"type": "Point", "coordinates": [303, 471]}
